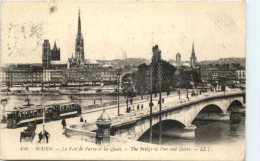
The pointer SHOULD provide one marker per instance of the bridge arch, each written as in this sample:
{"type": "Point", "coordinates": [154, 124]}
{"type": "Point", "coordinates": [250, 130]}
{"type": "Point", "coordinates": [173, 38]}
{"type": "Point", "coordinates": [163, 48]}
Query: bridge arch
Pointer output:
{"type": "Point", "coordinates": [211, 108]}
{"type": "Point", "coordinates": [234, 106]}
{"type": "Point", "coordinates": [166, 124]}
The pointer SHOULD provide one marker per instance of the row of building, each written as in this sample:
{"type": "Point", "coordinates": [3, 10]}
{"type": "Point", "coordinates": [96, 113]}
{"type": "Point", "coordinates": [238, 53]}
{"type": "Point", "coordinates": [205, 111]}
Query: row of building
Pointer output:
{"type": "Point", "coordinates": [33, 75]}
{"type": "Point", "coordinates": [218, 73]}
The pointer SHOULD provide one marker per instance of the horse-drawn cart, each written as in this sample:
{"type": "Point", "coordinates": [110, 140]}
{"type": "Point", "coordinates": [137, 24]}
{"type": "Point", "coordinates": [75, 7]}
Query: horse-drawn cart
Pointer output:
{"type": "Point", "coordinates": [28, 133]}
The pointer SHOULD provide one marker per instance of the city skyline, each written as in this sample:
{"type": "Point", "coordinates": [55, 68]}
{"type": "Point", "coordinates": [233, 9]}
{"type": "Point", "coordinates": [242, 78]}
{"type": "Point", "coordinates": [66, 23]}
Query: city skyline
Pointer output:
{"type": "Point", "coordinates": [110, 35]}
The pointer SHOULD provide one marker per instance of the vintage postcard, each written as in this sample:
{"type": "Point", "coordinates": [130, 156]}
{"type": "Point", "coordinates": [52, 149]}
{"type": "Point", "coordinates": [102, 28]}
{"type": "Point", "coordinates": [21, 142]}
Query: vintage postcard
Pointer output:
{"type": "Point", "coordinates": [161, 80]}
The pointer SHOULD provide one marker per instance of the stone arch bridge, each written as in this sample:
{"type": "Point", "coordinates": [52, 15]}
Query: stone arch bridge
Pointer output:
{"type": "Point", "coordinates": [182, 112]}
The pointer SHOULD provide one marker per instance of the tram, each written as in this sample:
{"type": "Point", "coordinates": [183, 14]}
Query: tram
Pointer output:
{"type": "Point", "coordinates": [24, 115]}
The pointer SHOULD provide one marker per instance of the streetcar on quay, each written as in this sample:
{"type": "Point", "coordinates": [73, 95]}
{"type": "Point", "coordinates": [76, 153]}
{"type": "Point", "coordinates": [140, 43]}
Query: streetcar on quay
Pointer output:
{"type": "Point", "coordinates": [35, 113]}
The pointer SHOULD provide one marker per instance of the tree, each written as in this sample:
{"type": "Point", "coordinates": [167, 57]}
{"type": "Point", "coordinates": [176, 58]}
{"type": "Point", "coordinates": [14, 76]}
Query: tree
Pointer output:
{"type": "Point", "coordinates": [127, 87]}
{"type": "Point", "coordinates": [141, 79]}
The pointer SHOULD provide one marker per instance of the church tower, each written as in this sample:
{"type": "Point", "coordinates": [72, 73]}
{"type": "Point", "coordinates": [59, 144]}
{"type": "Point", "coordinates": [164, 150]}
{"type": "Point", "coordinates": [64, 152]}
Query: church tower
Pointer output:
{"type": "Point", "coordinates": [193, 58]}
{"type": "Point", "coordinates": [79, 46]}
{"type": "Point", "coordinates": [178, 59]}
{"type": "Point", "coordinates": [46, 54]}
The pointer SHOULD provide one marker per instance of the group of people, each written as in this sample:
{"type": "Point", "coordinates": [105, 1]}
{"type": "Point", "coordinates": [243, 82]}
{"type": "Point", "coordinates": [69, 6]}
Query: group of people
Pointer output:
{"type": "Point", "coordinates": [82, 120]}
{"type": "Point", "coordinates": [64, 124]}
{"type": "Point", "coordinates": [159, 101]}
{"type": "Point", "coordinates": [45, 135]}
{"type": "Point", "coordinates": [129, 109]}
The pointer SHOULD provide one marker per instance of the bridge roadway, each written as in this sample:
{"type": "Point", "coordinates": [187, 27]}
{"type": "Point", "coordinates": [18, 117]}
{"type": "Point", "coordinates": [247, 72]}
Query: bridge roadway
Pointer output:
{"type": "Point", "coordinates": [137, 122]}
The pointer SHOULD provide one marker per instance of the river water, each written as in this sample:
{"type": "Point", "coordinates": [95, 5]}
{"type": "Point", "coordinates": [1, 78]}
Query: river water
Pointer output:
{"type": "Point", "coordinates": [207, 132]}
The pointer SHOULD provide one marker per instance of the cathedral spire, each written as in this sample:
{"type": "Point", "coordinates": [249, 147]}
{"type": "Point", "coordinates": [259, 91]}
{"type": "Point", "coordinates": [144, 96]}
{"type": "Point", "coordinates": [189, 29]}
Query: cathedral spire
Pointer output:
{"type": "Point", "coordinates": [79, 25]}
{"type": "Point", "coordinates": [79, 46]}
{"type": "Point", "coordinates": [193, 51]}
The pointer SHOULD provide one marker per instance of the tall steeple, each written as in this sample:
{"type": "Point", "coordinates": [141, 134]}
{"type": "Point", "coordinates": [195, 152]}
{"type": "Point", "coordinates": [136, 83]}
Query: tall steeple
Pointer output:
{"type": "Point", "coordinates": [193, 51]}
{"type": "Point", "coordinates": [193, 58]}
{"type": "Point", "coordinates": [79, 25]}
{"type": "Point", "coordinates": [79, 46]}
{"type": "Point", "coordinates": [55, 46]}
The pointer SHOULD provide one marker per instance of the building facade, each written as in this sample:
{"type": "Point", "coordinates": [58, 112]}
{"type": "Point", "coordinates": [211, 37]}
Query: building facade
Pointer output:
{"type": "Point", "coordinates": [220, 74]}
{"type": "Point", "coordinates": [24, 75]}
{"type": "Point", "coordinates": [241, 75]}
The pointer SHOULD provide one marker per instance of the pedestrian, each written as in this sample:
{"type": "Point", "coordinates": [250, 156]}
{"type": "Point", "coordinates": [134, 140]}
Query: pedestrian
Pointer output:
{"type": "Point", "coordinates": [97, 141]}
{"type": "Point", "coordinates": [163, 100]}
{"type": "Point", "coordinates": [131, 101]}
{"type": "Point", "coordinates": [85, 121]}
{"type": "Point", "coordinates": [40, 137]}
{"type": "Point", "coordinates": [81, 119]}
{"type": "Point", "coordinates": [142, 106]}
{"type": "Point", "coordinates": [94, 102]}
{"type": "Point", "coordinates": [100, 100]}
{"type": "Point", "coordinates": [46, 135]}
{"type": "Point", "coordinates": [138, 107]}
{"type": "Point", "coordinates": [63, 122]}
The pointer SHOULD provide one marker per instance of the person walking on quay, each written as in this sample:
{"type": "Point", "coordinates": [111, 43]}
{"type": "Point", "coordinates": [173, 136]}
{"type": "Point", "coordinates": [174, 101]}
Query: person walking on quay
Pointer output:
{"type": "Point", "coordinates": [46, 135]}
{"type": "Point", "coordinates": [142, 106]}
{"type": "Point", "coordinates": [163, 100]}
{"type": "Point", "coordinates": [63, 122]}
{"type": "Point", "coordinates": [138, 107]}
{"type": "Point", "coordinates": [81, 119]}
{"type": "Point", "coordinates": [131, 101]}
{"type": "Point", "coordinates": [40, 137]}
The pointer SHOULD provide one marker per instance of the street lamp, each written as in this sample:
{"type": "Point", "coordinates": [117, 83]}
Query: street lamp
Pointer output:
{"type": "Point", "coordinates": [160, 105]}
{"type": "Point", "coordinates": [151, 103]}
{"type": "Point", "coordinates": [118, 81]}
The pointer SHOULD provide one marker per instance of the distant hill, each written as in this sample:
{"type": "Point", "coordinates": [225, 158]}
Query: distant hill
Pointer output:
{"type": "Point", "coordinates": [119, 63]}
{"type": "Point", "coordinates": [241, 61]}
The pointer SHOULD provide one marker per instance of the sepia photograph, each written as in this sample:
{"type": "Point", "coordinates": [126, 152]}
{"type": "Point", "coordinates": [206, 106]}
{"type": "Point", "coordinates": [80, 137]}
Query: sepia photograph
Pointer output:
{"type": "Point", "coordinates": [129, 80]}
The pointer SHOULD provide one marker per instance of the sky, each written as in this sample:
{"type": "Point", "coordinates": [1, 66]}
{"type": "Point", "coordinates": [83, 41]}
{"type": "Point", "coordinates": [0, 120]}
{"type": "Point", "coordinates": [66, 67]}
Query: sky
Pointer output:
{"type": "Point", "coordinates": [119, 30]}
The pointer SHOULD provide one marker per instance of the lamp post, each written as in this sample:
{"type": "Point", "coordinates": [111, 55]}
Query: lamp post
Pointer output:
{"type": "Point", "coordinates": [118, 81]}
{"type": "Point", "coordinates": [160, 105]}
{"type": "Point", "coordinates": [151, 104]}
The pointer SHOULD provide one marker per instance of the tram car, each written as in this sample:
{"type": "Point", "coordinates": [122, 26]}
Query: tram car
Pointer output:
{"type": "Point", "coordinates": [24, 115]}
